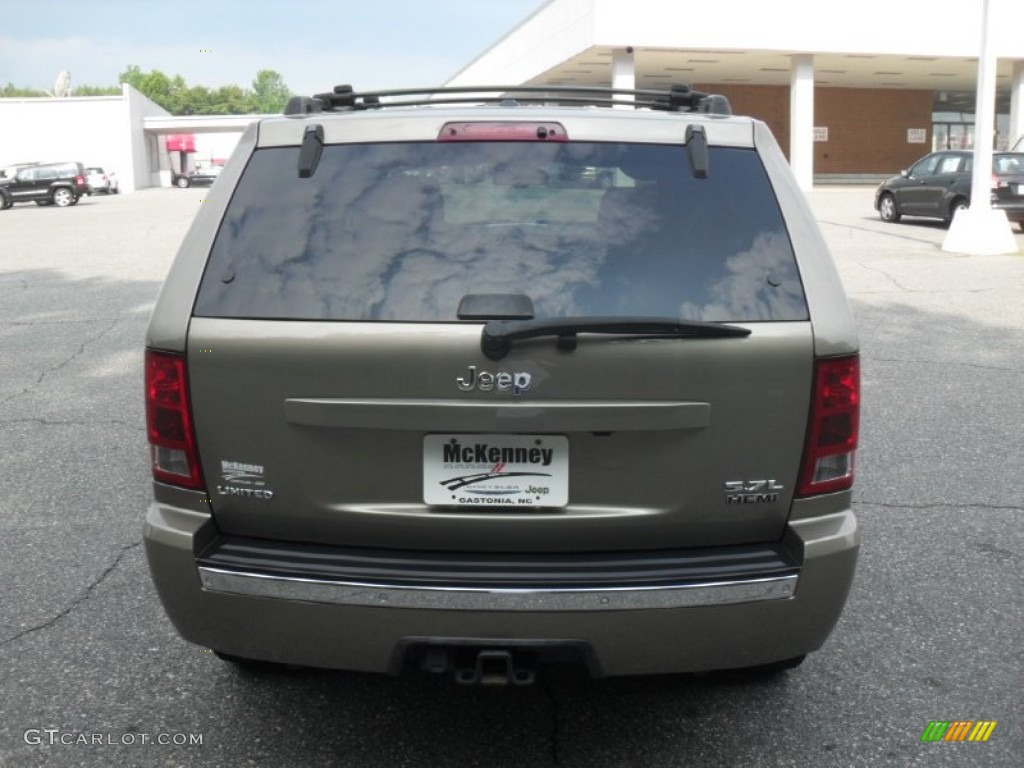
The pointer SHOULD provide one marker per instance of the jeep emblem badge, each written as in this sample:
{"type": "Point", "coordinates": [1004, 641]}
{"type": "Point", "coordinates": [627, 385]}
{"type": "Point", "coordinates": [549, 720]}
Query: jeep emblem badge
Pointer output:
{"type": "Point", "coordinates": [485, 381]}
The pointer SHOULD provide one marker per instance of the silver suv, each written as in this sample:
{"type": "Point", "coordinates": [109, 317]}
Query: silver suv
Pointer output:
{"type": "Point", "coordinates": [465, 381]}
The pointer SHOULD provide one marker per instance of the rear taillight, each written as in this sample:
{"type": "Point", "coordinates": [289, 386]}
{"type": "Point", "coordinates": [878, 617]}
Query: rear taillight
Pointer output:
{"type": "Point", "coordinates": [832, 431]}
{"type": "Point", "coordinates": [79, 181]}
{"type": "Point", "coordinates": [172, 441]}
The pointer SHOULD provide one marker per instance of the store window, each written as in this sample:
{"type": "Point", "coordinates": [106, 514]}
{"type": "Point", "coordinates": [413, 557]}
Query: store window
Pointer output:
{"type": "Point", "coordinates": [953, 120]}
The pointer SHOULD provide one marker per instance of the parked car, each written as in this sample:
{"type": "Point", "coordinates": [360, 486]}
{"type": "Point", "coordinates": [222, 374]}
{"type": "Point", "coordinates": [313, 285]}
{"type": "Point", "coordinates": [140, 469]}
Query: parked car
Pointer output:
{"type": "Point", "coordinates": [422, 395]}
{"type": "Point", "coordinates": [939, 184]}
{"type": "Point", "coordinates": [100, 181]}
{"type": "Point", "coordinates": [199, 177]}
{"type": "Point", "coordinates": [60, 184]}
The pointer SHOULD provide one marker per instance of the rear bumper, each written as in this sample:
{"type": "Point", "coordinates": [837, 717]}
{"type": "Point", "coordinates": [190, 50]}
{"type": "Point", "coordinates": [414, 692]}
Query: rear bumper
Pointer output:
{"type": "Point", "coordinates": [467, 599]}
{"type": "Point", "coordinates": [1014, 209]}
{"type": "Point", "coordinates": [661, 617]}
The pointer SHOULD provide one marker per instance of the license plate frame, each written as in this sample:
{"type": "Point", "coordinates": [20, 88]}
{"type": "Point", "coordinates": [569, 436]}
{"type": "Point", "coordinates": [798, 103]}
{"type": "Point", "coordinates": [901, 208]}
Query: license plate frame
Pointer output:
{"type": "Point", "coordinates": [502, 471]}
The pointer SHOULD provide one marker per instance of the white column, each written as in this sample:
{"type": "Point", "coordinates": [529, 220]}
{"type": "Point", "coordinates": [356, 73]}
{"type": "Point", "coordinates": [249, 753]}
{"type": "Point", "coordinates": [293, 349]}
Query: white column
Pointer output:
{"type": "Point", "coordinates": [624, 72]}
{"type": "Point", "coordinates": [801, 119]}
{"type": "Point", "coordinates": [982, 230]}
{"type": "Point", "coordinates": [1017, 102]}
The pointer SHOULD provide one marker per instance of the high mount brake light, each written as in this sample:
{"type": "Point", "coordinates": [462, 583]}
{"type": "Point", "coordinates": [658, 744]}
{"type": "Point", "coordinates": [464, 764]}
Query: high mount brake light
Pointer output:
{"type": "Point", "coordinates": [833, 428]}
{"type": "Point", "coordinates": [495, 130]}
{"type": "Point", "coordinates": [172, 440]}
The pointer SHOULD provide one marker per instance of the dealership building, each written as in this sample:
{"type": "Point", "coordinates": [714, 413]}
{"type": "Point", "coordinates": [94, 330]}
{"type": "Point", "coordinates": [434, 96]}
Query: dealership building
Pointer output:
{"type": "Point", "coordinates": [852, 91]}
{"type": "Point", "coordinates": [127, 133]}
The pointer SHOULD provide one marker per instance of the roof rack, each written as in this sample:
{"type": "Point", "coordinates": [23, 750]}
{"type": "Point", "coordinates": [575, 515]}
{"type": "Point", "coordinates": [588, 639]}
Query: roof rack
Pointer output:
{"type": "Point", "coordinates": [678, 98]}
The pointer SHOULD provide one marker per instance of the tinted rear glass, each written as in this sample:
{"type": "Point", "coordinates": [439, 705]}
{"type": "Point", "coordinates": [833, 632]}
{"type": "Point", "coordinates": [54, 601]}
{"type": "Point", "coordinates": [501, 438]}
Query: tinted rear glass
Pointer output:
{"type": "Point", "coordinates": [403, 232]}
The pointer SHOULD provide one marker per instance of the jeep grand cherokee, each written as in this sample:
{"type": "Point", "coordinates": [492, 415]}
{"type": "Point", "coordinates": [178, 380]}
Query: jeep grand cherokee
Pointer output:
{"type": "Point", "coordinates": [471, 386]}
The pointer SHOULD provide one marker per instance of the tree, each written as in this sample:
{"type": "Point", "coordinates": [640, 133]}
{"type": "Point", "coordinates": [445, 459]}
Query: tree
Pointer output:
{"type": "Point", "coordinates": [95, 90]}
{"type": "Point", "coordinates": [11, 91]}
{"type": "Point", "coordinates": [133, 76]}
{"type": "Point", "coordinates": [270, 94]}
{"type": "Point", "coordinates": [194, 101]}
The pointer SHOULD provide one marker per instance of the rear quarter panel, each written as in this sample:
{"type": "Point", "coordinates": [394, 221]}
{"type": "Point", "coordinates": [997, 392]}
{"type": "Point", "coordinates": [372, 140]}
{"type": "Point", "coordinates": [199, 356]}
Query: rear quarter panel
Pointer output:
{"type": "Point", "coordinates": [168, 325]}
{"type": "Point", "coordinates": [834, 330]}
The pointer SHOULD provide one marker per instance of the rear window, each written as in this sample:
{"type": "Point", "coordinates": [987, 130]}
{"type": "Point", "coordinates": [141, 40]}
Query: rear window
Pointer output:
{"type": "Point", "coordinates": [402, 232]}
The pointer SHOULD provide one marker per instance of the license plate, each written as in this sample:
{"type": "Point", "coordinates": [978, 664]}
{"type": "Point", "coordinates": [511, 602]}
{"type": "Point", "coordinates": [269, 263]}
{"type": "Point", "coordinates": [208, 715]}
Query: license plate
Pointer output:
{"type": "Point", "coordinates": [501, 471]}
{"type": "Point", "coordinates": [1019, 189]}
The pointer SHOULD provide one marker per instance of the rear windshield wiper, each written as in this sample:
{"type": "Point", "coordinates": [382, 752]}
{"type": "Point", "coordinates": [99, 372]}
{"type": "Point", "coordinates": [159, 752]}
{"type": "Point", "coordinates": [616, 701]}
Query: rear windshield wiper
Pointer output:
{"type": "Point", "coordinates": [498, 335]}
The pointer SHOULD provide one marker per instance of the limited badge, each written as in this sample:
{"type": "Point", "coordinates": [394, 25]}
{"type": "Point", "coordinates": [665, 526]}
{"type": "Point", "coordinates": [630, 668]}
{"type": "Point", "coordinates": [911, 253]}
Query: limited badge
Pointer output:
{"type": "Point", "coordinates": [243, 479]}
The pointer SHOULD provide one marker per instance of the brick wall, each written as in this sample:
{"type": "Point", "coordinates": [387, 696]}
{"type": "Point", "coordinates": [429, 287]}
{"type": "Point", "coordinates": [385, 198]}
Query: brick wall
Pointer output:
{"type": "Point", "coordinates": [867, 128]}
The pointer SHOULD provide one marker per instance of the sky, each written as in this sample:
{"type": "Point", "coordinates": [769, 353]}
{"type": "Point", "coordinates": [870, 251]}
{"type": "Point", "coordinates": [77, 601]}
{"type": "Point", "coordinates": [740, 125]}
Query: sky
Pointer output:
{"type": "Point", "coordinates": [313, 44]}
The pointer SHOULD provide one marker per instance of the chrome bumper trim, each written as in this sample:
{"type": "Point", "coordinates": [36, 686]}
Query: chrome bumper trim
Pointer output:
{"type": "Point", "coordinates": [488, 599]}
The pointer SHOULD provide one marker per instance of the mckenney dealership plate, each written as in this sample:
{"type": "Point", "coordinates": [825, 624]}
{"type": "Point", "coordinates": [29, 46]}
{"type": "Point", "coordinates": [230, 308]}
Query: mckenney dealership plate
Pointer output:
{"type": "Point", "coordinates": [496, 470]}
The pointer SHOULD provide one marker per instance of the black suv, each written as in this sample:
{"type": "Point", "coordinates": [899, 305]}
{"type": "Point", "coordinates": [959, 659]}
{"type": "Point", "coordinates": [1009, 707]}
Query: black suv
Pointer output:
{"type": "Point", "coordinates": [60, 184]}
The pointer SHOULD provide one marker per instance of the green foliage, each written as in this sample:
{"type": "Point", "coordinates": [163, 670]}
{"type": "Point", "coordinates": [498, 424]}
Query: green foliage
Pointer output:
{"type": "Point", "coordinates": [11, 91]}
{"type": "Point", "coordinates": [268, 94]}
{"type": "Point", "coordinates": [133, 76]}
{"type": "Point", "coordinates": [95, 90]}
{"type": "Point", "coordinates": [269, 91]}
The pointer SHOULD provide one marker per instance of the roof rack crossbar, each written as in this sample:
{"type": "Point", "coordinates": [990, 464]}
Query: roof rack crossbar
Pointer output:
{"type": "Point", "coordinates": [678, 98]}
{"type": "Point", "coordinates": [651, 104]}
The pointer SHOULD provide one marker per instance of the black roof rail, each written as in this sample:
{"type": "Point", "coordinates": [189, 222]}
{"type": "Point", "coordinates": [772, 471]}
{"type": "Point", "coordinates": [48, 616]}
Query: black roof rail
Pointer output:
{"type": "Point", "coordinates": [678, 98]}
{"type": "Point", "coordinates": [302, 105]}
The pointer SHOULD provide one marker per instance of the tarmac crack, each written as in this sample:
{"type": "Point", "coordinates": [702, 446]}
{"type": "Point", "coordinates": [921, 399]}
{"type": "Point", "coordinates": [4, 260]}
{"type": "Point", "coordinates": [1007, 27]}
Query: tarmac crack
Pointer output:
{"type": "Point", "coordinates": [918, 291]}
{"type": "Point", "coordinates": [945, 363]}
{"type": "Point", "coordinates": [939, 505]}
{"type": "Point", "coordinates": [22, 286]}
{"type": "Point", "coordinates": [877, 232]}
{"type": "Point", "coordinates": [84, 596]}
{"type": "Point", "coordinates": [32, 323]}
{"type": "Point", "coordinates": [906, 289]}
{"type": "Point", "coordinates": [888, 277]}
{"type": "Point", "coordinates": [64, 363]}
{"type": "Point", "coordinates": [134, 425]}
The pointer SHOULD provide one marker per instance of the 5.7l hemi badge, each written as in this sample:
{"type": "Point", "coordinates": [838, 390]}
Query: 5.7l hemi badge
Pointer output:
{"type": "Point", "coordinates": [496, 470]}
{"type": "Point", "coordinates": [752, 491]}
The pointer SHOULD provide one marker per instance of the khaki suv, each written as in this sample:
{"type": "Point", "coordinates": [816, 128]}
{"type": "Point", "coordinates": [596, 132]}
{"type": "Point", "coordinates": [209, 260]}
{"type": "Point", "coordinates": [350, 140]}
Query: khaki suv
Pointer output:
{"type": "Point", "coordinates": [468, 381]}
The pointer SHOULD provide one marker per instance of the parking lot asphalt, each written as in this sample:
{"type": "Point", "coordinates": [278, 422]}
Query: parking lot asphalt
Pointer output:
{"type": "Point", "coordinates": [92, 673]}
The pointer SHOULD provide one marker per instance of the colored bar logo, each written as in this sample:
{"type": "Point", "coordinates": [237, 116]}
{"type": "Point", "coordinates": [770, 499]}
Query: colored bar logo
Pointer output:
{"type": "Point", "coordinates": [958, 730]}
